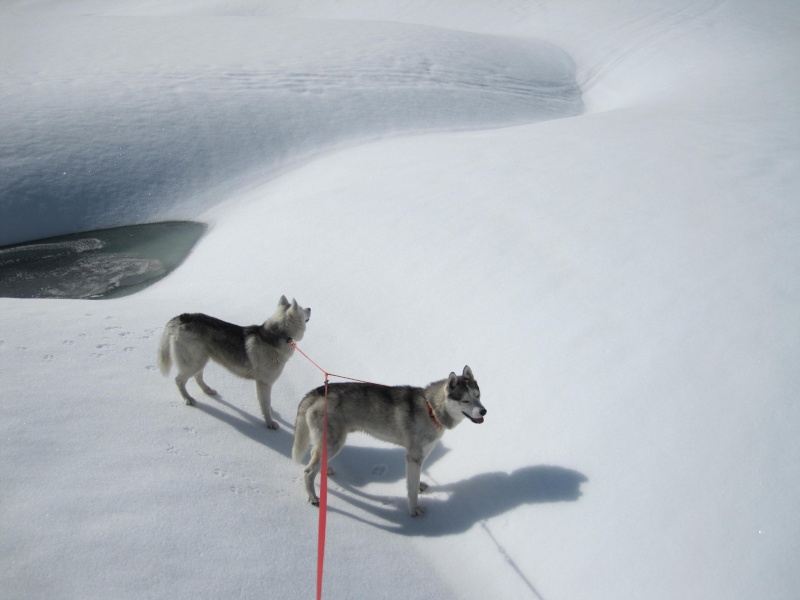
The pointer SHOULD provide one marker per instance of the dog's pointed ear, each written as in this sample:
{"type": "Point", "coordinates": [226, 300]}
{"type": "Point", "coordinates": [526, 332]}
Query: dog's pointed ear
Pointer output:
{"type": "Point", "coordinates": [468, 372]}
{"type": "Point", "coordinates": [283, 302]}
{"type": "Point", "coordinates": [452, 381]}
{"type": "Point", "coordinates": [294, 304]}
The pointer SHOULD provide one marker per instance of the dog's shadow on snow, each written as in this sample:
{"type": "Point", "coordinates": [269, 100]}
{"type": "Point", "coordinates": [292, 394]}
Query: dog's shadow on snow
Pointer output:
{"type": "Point", "coordinates": [250, 425]}
{"type": "Point", "coordinates": [451, 508]}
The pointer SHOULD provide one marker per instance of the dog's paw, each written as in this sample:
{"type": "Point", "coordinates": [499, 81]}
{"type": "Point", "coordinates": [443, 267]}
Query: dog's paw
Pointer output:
{"type": "Point", "coordinates": [273, 425]}
{"type": "Point", "coordinates": [331, 471]}
{"type": "Point", "coordinates": [423, 487]}
{"type": "Point", "coordinates": [190, 402]}
{"type": "Point", "coordinates": [417, 511]}
{"type": "Point", "coordinates": [313, 501]}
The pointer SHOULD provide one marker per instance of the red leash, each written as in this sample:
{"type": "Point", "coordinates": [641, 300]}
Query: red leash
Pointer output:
{"type": "Point", "coordinates": [309, 359]}
{"type": "Point", "coordinates": [323, 480]}
{"type": "Point", "coordinates": [323, 493]}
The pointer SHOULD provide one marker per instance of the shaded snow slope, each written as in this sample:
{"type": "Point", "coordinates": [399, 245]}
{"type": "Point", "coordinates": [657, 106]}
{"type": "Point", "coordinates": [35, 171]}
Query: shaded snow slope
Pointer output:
{"type": "Point", "coordinates": [114, 121]}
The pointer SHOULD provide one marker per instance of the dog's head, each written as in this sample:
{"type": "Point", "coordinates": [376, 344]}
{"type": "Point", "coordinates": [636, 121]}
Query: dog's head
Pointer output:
{"type": "Point", "coordinates": [292, 317]}
{"type": "Point", "coordinates": [464, 397]}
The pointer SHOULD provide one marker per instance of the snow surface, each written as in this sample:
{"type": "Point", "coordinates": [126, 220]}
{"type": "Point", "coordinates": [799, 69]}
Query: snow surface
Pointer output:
{"type": "Point", "coordinates": [623, 280]}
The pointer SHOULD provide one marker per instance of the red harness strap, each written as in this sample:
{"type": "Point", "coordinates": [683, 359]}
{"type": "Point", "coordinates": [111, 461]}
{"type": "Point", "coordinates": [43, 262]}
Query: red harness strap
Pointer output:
{"type": "Point", "coordinates": [433, 416]}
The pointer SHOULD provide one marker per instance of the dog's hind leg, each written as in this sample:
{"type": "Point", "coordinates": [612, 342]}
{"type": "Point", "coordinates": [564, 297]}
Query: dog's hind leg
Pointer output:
{"type": "Point", "coordinates": [203, 385]}
{"type": "Point", "coordinates": [180, 381]}
{"type": "Point", "coordinates": [310, 474]}
{"type": "Point", "coordinates": [335, 445]}
{"type": "Point", "coordinates": [190, 360]}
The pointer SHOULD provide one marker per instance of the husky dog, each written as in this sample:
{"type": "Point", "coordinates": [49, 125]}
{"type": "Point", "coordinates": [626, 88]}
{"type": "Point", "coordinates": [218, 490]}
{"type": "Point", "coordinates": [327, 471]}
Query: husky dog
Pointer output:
{"type": "Point", "coordinates": [255, 352]}
{"type": "Point", "coordinates": [412, 417]}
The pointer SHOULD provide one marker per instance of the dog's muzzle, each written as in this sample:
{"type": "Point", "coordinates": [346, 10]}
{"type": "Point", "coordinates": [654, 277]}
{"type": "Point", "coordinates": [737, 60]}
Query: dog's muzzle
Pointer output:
{"type": "Point", "coordinates": [475, 420]}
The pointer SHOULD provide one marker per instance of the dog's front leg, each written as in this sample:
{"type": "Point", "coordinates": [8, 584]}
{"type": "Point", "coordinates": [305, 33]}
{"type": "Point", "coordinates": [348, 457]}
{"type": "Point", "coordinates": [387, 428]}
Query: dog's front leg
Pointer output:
{"type": "Point", "coordinates": [264, 392]}
{"type": "Point", "coordinates": [413, 471]}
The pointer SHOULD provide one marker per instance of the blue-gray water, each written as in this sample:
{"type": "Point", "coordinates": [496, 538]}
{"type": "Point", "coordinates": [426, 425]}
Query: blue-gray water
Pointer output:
{"type": "Point", "coordinates": [106, 263]}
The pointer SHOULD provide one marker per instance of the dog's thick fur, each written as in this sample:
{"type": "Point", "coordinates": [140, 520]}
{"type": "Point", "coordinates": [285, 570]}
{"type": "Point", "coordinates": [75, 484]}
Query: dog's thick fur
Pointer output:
{"type": "Point", "coordinates": [412, 417]}
{"type": "Point", "coordinates": [256, 352]}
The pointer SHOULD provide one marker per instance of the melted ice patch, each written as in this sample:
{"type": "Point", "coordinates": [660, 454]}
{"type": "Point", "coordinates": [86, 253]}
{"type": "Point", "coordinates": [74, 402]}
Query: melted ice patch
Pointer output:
{"type": "Point", "coordinates": [100, 264]}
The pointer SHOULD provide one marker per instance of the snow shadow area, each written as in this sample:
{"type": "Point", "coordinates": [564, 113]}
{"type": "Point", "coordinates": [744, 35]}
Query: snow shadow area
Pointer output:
{"type": "Point", "coordinates": [451, 508]}
{"type": "Point", "coordinates": [106, 263]}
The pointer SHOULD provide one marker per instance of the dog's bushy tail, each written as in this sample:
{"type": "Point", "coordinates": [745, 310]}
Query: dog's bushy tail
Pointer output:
{"type": "Point", "coordinates": [302, 437]}
{"type": "Point", "coordinates": [164, 350]}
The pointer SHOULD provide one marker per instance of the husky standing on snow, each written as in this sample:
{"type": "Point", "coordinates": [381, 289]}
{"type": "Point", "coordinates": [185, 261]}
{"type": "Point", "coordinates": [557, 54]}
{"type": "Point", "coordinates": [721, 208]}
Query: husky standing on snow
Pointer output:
{"type": "Point", "coordinates": [255, 352]}
{"type": "Point", "coordinates": [412, 417]}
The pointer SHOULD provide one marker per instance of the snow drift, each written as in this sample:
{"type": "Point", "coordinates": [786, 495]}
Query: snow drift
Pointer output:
{"type": "Point", "coordinates": [119, 121]}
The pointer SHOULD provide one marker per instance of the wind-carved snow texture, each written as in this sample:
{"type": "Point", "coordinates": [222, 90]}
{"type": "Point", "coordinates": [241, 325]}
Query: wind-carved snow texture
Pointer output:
{"type": "Point", "coordinates": [130, 135]}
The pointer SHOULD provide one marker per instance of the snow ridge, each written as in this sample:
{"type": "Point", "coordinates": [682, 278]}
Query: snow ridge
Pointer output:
{"type": "Point", "coordinates": [133, 140]}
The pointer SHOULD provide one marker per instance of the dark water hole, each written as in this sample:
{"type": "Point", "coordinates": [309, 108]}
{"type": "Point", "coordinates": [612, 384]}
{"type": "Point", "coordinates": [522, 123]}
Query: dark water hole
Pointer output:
{"type": "Point", "coordinates": [106, 263]}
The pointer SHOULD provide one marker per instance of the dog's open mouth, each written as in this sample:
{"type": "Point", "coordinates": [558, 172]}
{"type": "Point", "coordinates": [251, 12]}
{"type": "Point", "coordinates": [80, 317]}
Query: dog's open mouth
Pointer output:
{"type": "Point", "coordinates": [477, 421]}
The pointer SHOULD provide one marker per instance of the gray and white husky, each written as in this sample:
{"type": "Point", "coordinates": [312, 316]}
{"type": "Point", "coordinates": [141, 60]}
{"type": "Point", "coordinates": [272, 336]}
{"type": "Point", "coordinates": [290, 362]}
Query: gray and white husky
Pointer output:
{"type": "Point", "coordinates": [412, 417]}
{"type": "Point", "coordinates": [256, 352]}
